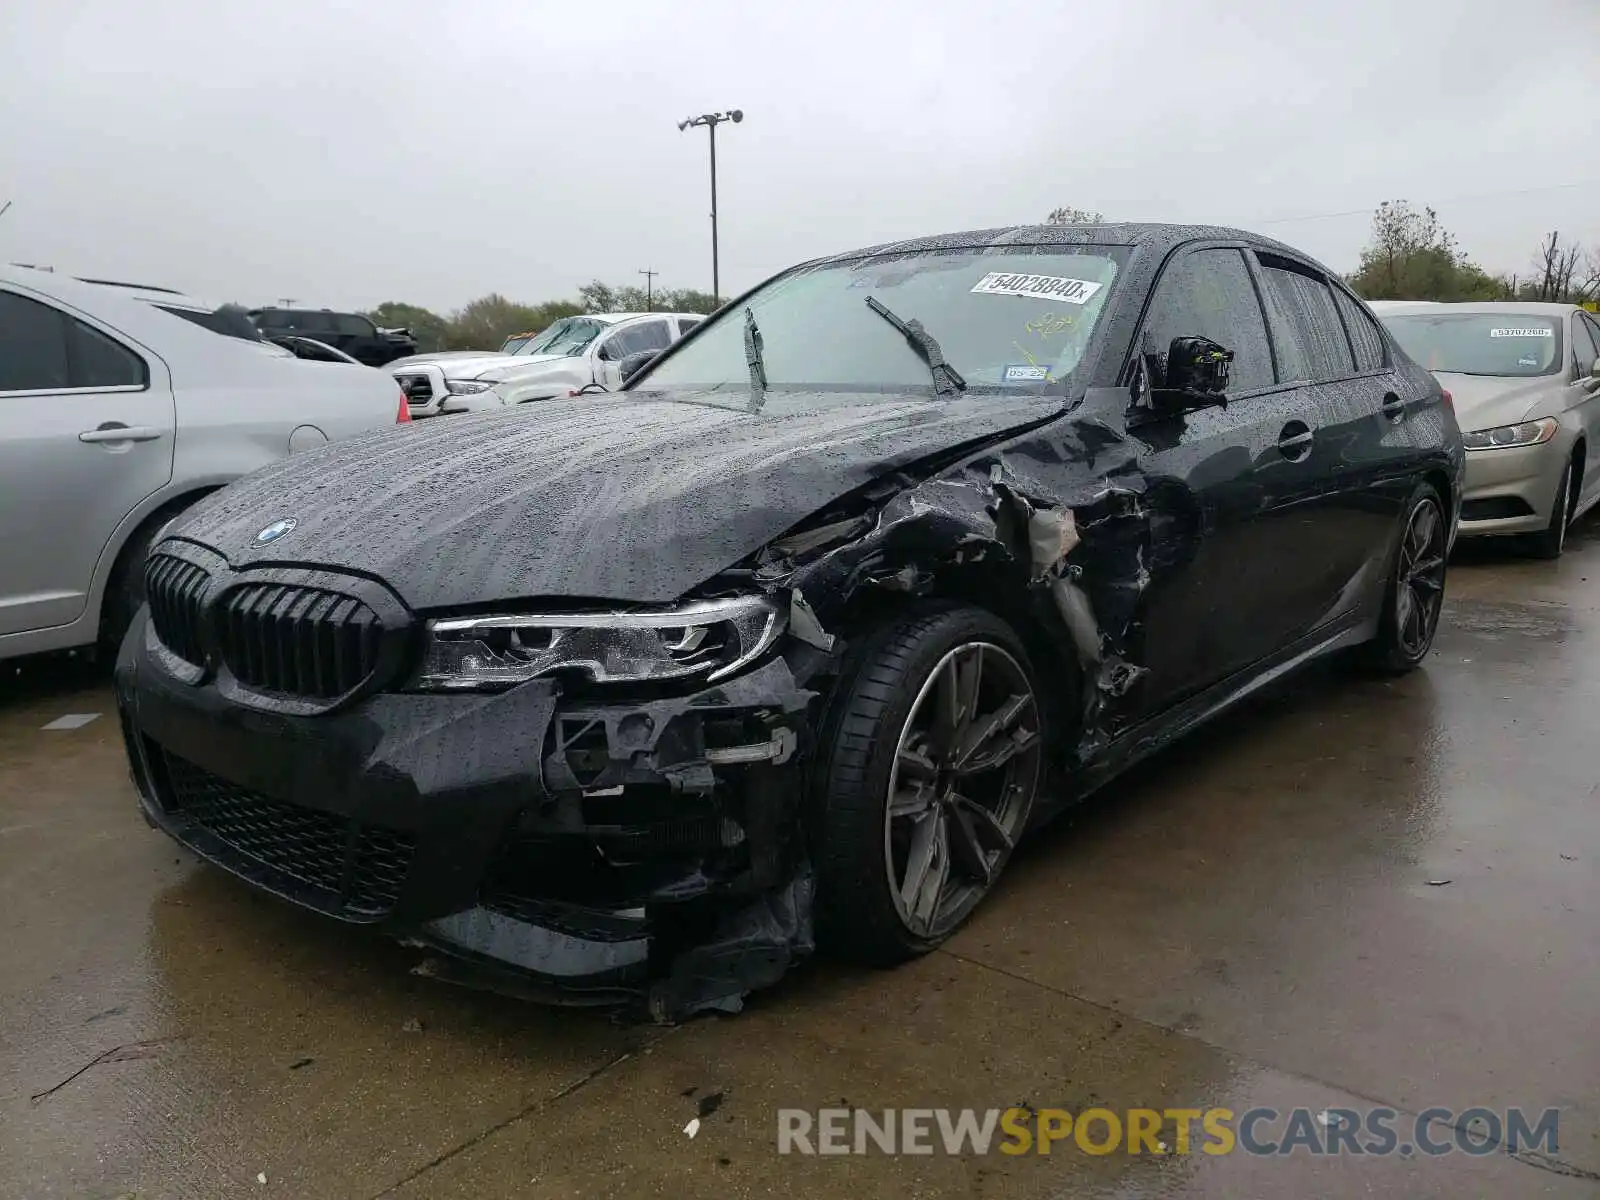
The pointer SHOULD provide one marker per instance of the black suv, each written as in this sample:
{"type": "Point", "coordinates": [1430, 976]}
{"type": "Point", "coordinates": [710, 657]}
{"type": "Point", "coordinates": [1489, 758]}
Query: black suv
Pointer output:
{"type": "Point", "coordinates": [353, 333]}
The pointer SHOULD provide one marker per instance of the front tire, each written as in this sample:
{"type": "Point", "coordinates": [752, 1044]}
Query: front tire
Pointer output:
{"type": "Point", "coordinates": [1552, 540]}
{"type": "Point", "coordinates": [931, 758]}
{"type": "Point", "coordinates": [1415, 594]}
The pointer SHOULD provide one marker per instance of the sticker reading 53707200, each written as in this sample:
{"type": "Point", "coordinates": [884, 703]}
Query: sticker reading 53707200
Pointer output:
{"type": "Point", "coordinates": [1520, 332]}
{"type": "Point", "coordinates": [1042, 287]}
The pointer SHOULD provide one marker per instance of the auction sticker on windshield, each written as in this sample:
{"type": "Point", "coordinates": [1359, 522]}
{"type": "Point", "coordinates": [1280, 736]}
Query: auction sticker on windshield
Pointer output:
{"type": "Point", "coordinates": [1522, 333]}
{"type": "Point", "coordinates": [1042, 287]}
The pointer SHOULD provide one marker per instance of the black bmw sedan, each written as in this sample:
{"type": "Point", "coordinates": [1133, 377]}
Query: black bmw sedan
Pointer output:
{"type": "Point", "coordinates": [636, 697]}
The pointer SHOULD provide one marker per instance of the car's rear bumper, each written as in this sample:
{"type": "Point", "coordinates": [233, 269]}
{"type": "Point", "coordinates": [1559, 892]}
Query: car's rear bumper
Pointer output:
{"type": "Point", "coordinates": [593, 852]}
{"type": "Point", "coordinates": [1512, 490]}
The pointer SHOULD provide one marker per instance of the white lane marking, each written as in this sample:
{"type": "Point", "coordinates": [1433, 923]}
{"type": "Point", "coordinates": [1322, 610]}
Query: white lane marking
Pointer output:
{"type": "Point", "coordinates": [71, 721]}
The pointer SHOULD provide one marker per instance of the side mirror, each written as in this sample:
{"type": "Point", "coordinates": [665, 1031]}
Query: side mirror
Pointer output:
{"type": "Point", "coordinates": [1195, 376]}
{"type": "Point", "coordinates": [635, 363]}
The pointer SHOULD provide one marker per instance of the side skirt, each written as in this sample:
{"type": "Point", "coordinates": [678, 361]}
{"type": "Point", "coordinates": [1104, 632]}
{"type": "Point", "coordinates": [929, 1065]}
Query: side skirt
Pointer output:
{"type": "Point", "coordinates": [1160, 731]}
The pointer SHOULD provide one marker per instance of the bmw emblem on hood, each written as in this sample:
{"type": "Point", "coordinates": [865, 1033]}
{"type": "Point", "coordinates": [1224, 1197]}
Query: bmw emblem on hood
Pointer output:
{"type": "Point", "coordinates": [276, 530]}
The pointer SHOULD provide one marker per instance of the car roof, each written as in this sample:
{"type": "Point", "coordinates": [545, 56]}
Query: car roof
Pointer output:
{"type": "Point", "coordinates": [1531, 308]}
{"type": "Point", "coordinates": [152, 294]}
{"type": "Point", "coordinates": [613, 318]}
{"type": "Point", "coordinates": [127, 310]}
{"type": "Point", "coordinates": [1155, 236]}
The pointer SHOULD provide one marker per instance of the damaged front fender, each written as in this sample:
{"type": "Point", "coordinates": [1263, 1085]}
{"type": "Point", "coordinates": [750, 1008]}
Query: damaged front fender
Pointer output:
{"type": "Point", "coordinates": [1054, 529]}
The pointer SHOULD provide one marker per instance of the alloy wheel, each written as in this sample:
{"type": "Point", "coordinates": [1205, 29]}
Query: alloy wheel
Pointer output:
{"type": "Point", "coordinates": [1419, 586]}
{"type": "Point", "coordinates": [962, 786]}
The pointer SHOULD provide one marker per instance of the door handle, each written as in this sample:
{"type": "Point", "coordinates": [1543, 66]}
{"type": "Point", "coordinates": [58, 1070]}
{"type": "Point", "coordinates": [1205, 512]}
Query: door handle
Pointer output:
{"type": "Point", "coordinates": [1294, 442]}
{"type": "Point", "coordinates": [1393, 407]}
{"type": "Point", "coordinates": [113, 432]}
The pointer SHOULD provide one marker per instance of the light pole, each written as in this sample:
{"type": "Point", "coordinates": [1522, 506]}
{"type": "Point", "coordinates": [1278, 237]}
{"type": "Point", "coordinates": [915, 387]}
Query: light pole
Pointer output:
{"type": "Point", "coordinates": [711, 121]}
{"type": "Point", "coordinates": [649, 278]}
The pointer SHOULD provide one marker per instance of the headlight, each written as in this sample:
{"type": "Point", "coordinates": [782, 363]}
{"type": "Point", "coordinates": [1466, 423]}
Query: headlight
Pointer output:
{"type": "Point", "coordinates": [1529, 433]}
{"type": "Point", "coordinates": [710, 638]}
{"type": "Point", "coordinates": [467, 387]}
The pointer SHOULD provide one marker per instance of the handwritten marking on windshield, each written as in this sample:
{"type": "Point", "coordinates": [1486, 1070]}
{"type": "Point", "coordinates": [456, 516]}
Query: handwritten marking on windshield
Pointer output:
{"type": "Point", "coordinates": [1052, 324]}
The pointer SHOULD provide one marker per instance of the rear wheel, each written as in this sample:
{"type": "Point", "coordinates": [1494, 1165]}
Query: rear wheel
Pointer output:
{"type": "Point", "coordinates": [1552, 540]}
{"type": "Point", "coordinates": [931, 759]}
{"type": "Point", "coordinates": [1415, 594]}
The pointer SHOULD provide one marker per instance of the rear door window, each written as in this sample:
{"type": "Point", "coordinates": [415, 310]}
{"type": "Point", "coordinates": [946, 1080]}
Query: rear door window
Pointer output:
{"type": "Point", "coordinates": [1209, 293]}
{"type": "Point", "coordinates": [33, 346]}
{"type": "Point", "coordinates": [310, 323]}
{"type": "Point", "coordinates": [44, 349]}
{"type": "Point", "coordinates": [353, 325]}
{"type": "Point", "coordinates": [1305, 325]}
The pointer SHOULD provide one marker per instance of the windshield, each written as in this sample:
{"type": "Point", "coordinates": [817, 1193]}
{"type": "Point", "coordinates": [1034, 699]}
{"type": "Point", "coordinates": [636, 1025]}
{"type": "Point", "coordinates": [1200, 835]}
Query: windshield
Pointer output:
{"type": "Point", "coordinates": [229, 321]}
{"type": "Point", "coordinates": [1505, 344]}
{"type": "Point", "coordinates": [1011, 319]}
{"type": "Point", "coordinates": [513, 344]}
{"type": "Point", "coordinates": [568, 336]}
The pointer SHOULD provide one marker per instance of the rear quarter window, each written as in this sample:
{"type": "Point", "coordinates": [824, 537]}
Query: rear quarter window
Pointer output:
{"type": "Point", "coordinates": [100, 361]}
{"type": "Point", "coordinates": [1365, 337]}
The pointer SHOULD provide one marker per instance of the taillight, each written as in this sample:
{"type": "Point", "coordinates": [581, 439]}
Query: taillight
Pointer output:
{"type": "Point", "coordinates": [1449, 400]}
{"type": "Point", "coordinates": [403, 417]}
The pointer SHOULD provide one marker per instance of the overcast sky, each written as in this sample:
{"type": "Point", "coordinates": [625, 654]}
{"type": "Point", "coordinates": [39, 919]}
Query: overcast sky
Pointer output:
{"type": "Point", "coordinates": [346, 152]}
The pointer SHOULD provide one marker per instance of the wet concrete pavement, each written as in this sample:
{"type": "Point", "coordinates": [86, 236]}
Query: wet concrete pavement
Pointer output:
{"type": "Point", "coordinates": [1351, 893]}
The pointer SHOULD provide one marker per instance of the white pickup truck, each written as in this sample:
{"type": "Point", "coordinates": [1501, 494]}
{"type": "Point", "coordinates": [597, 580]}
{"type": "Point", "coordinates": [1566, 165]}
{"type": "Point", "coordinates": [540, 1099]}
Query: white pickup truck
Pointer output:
{"type": "Point", "coordinates": [573, 353]}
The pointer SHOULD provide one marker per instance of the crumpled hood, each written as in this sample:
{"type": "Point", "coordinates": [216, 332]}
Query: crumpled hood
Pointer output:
{"type": "Point", "coordinates": [629, 497]}
{"type": "Point", "coordinates": [440, 356]}
{"type": "Point", "coordinates": [1487, 401]}
{"type": "Point", "coordinates": [516, 366]}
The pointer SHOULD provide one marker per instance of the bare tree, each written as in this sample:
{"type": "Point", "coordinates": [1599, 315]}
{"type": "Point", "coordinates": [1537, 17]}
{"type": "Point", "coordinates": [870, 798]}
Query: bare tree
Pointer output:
{"type": "Point", "coordinates": [1556, 267]}
{"type": "Point", "coordinates": [1067, 215]}
{"type": "Point", "coordinates": [1586, 282]}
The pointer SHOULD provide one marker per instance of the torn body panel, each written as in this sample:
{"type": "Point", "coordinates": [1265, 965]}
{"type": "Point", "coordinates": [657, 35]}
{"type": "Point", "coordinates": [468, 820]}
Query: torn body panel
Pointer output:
{"type": "Point", "coordinates": [602, 850]}
{"type": "Point", "coordinates": [1059, 515]}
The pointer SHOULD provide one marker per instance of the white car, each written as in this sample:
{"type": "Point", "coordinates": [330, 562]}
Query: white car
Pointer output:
{"type": "Point", "coordinates": [119, 415]}
{"type": "Point", "coordinates": [574, 353]}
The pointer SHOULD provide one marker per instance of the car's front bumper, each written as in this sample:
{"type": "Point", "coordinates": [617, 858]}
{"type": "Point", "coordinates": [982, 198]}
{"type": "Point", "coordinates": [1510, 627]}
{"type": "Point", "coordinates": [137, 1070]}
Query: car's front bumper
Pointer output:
{"type": "Point", "coordinates": [646, 851]}
{"type": "Point", "coordinates": [1512, 490]}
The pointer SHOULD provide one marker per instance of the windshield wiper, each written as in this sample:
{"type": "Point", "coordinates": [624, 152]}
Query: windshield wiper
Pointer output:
{"type": "Point", "coordinates": [946, 379]}
{"type": "Point", "coordinates": [752, 358]}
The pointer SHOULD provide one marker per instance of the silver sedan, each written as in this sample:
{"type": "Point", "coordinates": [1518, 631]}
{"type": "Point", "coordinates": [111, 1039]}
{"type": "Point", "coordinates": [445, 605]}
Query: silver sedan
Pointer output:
{"type": "Point", "coordinates": [1525, 379]}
